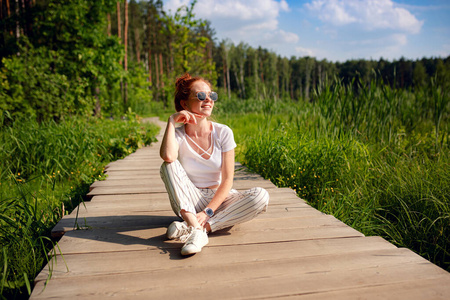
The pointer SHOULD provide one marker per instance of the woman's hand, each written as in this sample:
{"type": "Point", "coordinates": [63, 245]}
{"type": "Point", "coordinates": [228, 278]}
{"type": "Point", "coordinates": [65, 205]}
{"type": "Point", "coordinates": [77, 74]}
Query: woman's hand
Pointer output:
{"type": "Point", "coordinates": [202, 218]}
{"type": "Point", "coordinates": [185, 117]}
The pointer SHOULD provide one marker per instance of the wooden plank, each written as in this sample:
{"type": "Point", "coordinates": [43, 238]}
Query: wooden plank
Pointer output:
{"type": "Point", "coordinates": [143, 189]}
{"type": "Point", "coordinates": [132, 175]}
{"type": "Point", "coordinates": [129, 220]}
{"type": "Point", "coordinates": [135, 167]}
{"type": "Point", "coordinates": [85, 219]}
{"type": "Point", "coordinates": [120, 198]}
{"type": "Point", "coordinates": [135, 163]}
{"type": "Point", "coordinates": [158, 187]}
{"type": "Point", "coordinates": [276, 278]}
{"type": "Point", "coordinates": [435, 288]}
{"type": "Point", "coordinates": [109, 240]}
{"type": "Point", "coordinates": [110, 182]}
{"type": "Point", "coordinates": [104, 212]}
{"type": "Point", "coordinates": [139, 181]}
{"type": "Point", "coordinates": [149, 171]}
{"type": "Point", "coordinates": [144, 260]}
{"type": "Point", "coordinates": [149, 219]}
{"type": "Point", "coordinates": [248, 184]}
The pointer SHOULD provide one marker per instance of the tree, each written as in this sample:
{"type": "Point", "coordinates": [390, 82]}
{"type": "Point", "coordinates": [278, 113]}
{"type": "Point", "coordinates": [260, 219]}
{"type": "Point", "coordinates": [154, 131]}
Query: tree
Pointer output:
{"type": "Point", "coordinates": [419, 75]}
{"type": "Point", "coordinates": [72, 55]}
{"type": "Point", "coordinates": [125, 61]}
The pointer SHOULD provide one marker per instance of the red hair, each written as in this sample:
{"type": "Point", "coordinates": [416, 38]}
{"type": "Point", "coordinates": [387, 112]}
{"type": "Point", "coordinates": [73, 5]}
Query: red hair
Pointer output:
{"type": "Point", "coordinates": [183, 87]}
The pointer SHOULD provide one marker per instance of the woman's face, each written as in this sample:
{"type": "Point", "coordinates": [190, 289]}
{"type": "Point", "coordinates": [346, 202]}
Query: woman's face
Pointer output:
{"type": "Point", "coordinates": [196, 106]}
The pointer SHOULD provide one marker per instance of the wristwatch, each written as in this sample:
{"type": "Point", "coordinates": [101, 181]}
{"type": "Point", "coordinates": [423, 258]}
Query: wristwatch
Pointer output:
{"type": "Point", "coordinates": [209, 212]}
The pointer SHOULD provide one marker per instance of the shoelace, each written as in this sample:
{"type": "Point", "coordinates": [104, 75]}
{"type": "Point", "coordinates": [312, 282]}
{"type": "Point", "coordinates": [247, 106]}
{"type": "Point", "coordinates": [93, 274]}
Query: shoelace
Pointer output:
{"type": "Point", "coordinates": [195, 235]}
{"type": "Point", "coordinates": [186, 233]}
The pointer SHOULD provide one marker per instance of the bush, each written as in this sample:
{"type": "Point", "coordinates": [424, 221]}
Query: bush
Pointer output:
{"type": "Point", "coordinates": [46, 170]}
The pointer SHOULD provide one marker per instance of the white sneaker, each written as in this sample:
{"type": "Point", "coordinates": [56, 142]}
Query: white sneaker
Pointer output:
{"type": "Point", "coordinates": [178, 230]}
{"type": "Point", "coordinates": [195, 242]}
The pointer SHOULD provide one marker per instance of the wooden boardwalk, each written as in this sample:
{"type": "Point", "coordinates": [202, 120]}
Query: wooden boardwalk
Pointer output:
{"type": "Point", "coordinates": [114, 246]}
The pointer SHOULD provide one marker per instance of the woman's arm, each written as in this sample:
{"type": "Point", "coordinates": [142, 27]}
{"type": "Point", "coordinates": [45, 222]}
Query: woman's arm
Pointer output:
{"type": "Point", "coordinates": [169, 145]}
{"type": "Point", "coordinates": [224, 188]}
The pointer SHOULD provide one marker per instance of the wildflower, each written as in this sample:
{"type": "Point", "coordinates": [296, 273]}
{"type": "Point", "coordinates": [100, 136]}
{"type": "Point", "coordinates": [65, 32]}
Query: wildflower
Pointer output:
{"type": "Point", "coordinates": [18, 174]}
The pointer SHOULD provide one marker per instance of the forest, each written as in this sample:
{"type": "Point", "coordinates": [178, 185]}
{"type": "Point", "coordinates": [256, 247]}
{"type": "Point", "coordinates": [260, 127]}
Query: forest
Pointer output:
{"type": "Point", "coordinates": [364, 140]}
{"type": "Point", "coordinates": [106, 56]}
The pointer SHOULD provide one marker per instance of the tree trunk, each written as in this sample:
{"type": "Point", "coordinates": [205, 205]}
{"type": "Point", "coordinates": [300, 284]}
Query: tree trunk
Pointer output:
{"type": "Point", "coordinates": [137, 41]}
{"type": "Point", "coordinates": [119, 24]}
{"type": "Point", "coordinates": [157, 76]}
{"type": "Point", "coordinates": [17, 20]}
{"type": "Point", "coordinates": [224, 74]}
{"type": "Point", "coordinates": [210, 57]}
{"type": "Point", "coordinates": [109, 23]}
{"type": "Point", "coordinates": [98, 106]}
{"type": "Point", "coordinates": [8, 8]}
{"type": "Point", "coordinates": [241, 74]}
{"type": "Point", "coordinates": [149, 63]}
{"type": "Point", "coordinates": [161, 72]}
{"type": "Point", "coordinates": [125, 37]}
{"type": "Point", "coordinates": [227, 68]}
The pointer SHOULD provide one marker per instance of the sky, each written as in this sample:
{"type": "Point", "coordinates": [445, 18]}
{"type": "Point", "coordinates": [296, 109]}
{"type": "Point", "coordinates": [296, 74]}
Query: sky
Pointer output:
{"type": "Point", "coordinates": [335, 30]}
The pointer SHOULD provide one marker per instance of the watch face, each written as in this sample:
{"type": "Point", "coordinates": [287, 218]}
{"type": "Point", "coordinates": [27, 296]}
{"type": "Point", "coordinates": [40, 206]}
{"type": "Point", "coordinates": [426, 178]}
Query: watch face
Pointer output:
{"type": "Point", "coordinates": [209, 212]}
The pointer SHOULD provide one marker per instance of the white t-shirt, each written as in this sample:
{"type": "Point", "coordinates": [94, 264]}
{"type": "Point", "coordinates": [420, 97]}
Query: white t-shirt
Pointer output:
{"type": "Point", "coordinates": [205, 172]}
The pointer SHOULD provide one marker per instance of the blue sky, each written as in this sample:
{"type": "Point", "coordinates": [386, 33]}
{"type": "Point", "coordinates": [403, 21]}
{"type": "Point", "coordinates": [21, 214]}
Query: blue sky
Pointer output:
{"type": "Point", "coordinates": [336, 30]}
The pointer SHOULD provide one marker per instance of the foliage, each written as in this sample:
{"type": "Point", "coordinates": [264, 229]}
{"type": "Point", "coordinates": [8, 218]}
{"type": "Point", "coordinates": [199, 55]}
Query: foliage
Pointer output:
{"type": "Point", "coordinates": [30, 89]}
{"type": "Point", "coordinates": [374, 157]}
{"type": "Point", "coordinates": [46, 170]}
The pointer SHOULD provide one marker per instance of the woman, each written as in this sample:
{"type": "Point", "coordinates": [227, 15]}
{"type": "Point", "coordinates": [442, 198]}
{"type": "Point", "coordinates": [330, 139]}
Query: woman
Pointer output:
{"type": "Point", "coordinates": [198, 169]}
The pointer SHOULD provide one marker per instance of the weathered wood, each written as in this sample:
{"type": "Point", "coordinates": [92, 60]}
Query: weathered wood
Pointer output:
{"type": "Point", "coordinates": [144, 260]}
{"type": "Point", "coordinates": [131, 239]}
{"type": "Point", "coordinates": [282, 277]}
{"type": "Point", "coordinates": [292, 250]}
{"type": "Point", "coordinates": [142, 189]}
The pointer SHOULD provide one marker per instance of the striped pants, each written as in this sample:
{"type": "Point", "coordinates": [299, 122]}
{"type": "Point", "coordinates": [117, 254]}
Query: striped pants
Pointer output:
{"type": "Point", "coordinates": [237, 208]}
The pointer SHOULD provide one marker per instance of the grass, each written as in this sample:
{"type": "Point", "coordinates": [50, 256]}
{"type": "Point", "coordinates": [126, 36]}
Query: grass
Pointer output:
{"type": "Point", "coordinates": [374, 157]}
{"type": "Point", "coordinates": [46, 170]}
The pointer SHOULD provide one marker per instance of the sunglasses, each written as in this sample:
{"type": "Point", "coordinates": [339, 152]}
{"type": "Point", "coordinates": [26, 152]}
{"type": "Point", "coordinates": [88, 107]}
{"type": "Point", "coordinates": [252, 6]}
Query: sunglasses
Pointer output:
{"type": "Point", "coordinates": [212, 95]}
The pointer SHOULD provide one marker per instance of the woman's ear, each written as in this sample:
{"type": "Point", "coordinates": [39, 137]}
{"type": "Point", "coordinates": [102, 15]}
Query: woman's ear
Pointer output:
{"type": "Point", "coordinates": [184, 104]}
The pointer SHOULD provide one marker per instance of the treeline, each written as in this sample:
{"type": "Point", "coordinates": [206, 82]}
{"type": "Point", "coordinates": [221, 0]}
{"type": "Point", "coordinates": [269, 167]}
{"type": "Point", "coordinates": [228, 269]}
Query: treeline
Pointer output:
{"type": "Point", "coordinates": [101, 57]}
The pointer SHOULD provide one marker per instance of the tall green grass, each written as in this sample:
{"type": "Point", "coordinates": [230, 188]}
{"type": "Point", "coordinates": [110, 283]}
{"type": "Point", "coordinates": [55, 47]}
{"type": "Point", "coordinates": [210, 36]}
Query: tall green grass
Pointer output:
{"type": "Point", "coordinates": [45, 172]}
{"type": "Point", "coordinates": [374, 157]}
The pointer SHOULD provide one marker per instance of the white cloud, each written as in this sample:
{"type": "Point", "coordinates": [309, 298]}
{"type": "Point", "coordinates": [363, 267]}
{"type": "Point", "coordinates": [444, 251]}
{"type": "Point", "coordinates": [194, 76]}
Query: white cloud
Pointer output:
{"type": "Point", "coordinates": [280, 37]}
{"type": "Point", "coordinates": [254, 22]}
{"type": "Point", "coordinates": [304, 51]}
{"type": "Point", "coordinates": [173, 5]}
{"type": "Point", "coordinates": [370, 14]}
{"type": "Point", "coordinates": [284, 6]}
